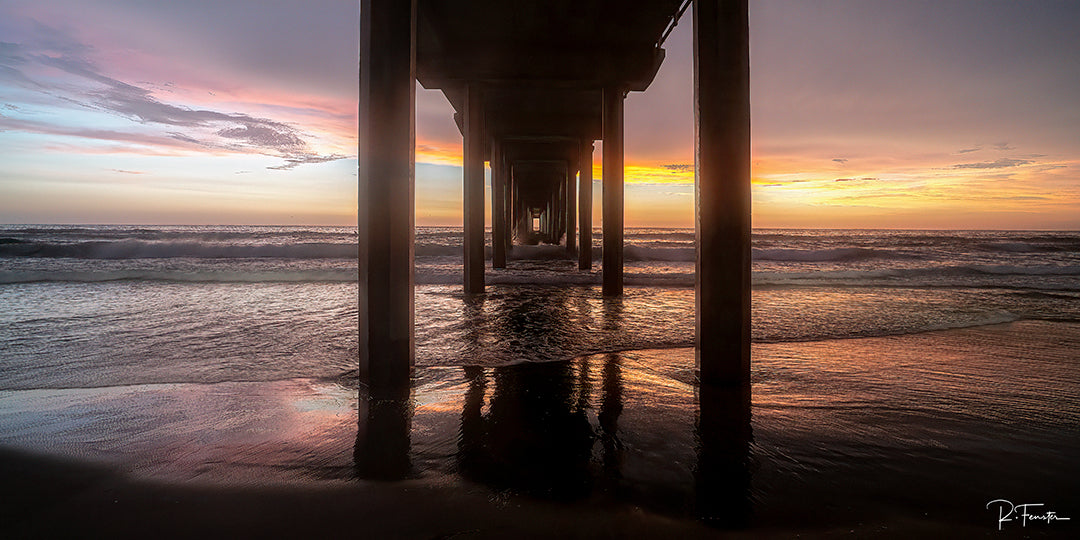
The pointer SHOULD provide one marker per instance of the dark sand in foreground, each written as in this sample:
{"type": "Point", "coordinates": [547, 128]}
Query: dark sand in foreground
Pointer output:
{"type": "Point", "coordinates": [906, 436]}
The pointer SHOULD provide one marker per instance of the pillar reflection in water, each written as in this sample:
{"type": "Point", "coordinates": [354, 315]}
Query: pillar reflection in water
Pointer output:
{"type": "Point", "coordinates": [383, 434]}
{"type": "Point", "coordinates": [535, 436]}
{"type": "Point", "coordinates": [723, 473]}
{"type": "Point", "coordinates": [612, 315]}
{"type": "Point", "coordinates": [611, 407]}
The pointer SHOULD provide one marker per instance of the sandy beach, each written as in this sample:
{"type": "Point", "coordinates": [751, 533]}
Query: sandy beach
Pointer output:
{"type": "Point", "coordinates": [830, 446]}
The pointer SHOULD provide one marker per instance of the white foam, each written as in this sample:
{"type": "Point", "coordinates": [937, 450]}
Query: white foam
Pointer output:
{"type": "Point", "coordinates": [298, 276]}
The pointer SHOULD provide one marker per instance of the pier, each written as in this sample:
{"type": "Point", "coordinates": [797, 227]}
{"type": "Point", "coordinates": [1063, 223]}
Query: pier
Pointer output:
{"type": "Point", "coordinates": [534, 85]}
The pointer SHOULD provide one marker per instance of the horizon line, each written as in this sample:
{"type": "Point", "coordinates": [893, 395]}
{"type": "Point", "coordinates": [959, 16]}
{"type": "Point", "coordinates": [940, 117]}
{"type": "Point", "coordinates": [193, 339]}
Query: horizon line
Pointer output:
{"type": "Point", "coordinates": [488, 228]}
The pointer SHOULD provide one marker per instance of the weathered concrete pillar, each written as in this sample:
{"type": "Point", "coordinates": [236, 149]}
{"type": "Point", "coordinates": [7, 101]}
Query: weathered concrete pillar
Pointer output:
{"type": "Point", "coordinates": [585, 206]}
{"type": "Point", "coordinates": [613, 192]}
{"type": "Point", "coordinates": [474, 190]}
{"type": "Point", "coordinates": [498, 208]}
{"type": "Point", "coordinates": [509, 202]}
{"type": "Point", "coordinates": [559, 206]}
{"type": "Point", "coordinates": [549, 220]}
{"type": "Point", "coordinates": [722, 159]}
{"type": "Point", "coordinates": [556, 207]}
{"type": "Point", "coordinates": [387, 96]}
{"type": "Point", "coordinates": [571, 207]}
{"type": "Point", "coordinates": [515, 207]}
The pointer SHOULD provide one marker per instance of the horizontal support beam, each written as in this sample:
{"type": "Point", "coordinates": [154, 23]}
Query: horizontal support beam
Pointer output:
{"type": "Point", "coordinates": [632, 69]}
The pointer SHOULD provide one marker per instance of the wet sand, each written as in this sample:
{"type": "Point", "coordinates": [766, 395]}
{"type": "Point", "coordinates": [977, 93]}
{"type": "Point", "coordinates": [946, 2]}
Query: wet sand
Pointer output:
{"type": "Point", "coordinates": [888, 437]}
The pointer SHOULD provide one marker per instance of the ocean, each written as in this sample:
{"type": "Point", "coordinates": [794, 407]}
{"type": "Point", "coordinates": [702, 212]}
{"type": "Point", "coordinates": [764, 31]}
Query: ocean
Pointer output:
{"type": "Point", "coordinates": [888, 365]}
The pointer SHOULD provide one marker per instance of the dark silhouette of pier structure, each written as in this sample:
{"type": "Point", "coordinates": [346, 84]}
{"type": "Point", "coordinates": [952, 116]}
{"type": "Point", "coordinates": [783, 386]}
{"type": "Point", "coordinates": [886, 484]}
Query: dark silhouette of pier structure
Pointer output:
{"type": "Point", "coordinates": [534, 84]}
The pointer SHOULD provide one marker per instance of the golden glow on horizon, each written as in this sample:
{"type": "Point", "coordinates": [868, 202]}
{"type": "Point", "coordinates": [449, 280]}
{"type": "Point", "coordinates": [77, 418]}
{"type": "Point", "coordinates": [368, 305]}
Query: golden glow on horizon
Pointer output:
{"type": "Point", "coordinates": [184, 114]}
{"type": "Point", "coordinates": [438, 153]}
{"type": "Point", "coordinates": [943, 191]}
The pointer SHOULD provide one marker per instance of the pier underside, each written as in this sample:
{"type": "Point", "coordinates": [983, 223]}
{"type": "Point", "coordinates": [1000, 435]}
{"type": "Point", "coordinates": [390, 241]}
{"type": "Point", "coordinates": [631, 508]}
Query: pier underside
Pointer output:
{"type": "Point", "coordinates": [534, 85]}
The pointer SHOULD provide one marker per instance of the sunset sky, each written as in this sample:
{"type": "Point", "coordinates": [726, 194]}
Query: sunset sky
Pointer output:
{"type": "Point", "coordinates": [950, 114]}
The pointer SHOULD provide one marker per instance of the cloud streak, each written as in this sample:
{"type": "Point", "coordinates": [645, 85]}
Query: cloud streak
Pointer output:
{"type": "Point", "coordinates": [1002, 163]}
{"type": "Point", "coordinates": [92, 89]}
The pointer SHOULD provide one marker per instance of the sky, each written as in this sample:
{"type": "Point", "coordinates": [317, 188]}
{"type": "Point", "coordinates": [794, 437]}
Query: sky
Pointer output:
{"type": "Point", "coordinates": [865, 114]}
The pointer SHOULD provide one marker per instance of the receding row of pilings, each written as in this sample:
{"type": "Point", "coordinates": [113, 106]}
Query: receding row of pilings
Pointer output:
{"type": "Point", "coordinates": [563, 199]}
{"type": "Point", "coordinates": [386, 191]}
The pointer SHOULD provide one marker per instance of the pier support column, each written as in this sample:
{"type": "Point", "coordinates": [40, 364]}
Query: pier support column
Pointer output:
{"type": "Point", "coordinates": [498, 208]}
{"type": "Point", "coordinates": [474, 190]}
{"type": "Point", "coordinates": [385, 195]}
{"type": "Point", "coordinates": [509, 201]}
{"type": "Point", "coordinates": [571, 207]}
{"type": "Point", "coordinates": [585, 206]}
{"type": "Point", "coordinates": [549, 220]}
{"type": "Point", "coordinates": [613, 191]}
{"type": "Point", "coordinates": [722, 111]}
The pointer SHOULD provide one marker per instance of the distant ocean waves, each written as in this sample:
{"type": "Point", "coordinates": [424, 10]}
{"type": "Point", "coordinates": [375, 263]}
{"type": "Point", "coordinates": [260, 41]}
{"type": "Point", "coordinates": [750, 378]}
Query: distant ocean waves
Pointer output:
{"type": "Point", "coordinates": [160, 249]}
{"type": "Point", "coordinates": [960, 276]}
{"type": "Point", "coordinates": [215, 249]}
{"type": "Point", "coordinates": [1042, 261]}
{"type": "Point", "coordinates": [206, 276]}
{"type": "Point", "coordinates": [144, 249]}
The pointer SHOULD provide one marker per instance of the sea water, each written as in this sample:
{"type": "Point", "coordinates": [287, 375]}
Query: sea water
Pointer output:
{"type": "Point", "coordinates": [231, 352]}
{"type": "Point", "coordinates": [86, 306]}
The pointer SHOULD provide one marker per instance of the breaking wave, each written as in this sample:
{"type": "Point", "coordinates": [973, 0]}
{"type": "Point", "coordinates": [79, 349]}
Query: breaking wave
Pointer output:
{"type": "Point", "coordinates": [142, 249]}
{"type": "Point", "coordinates": [1031, 247]}
{"type": "Point", "coordinates": [343, 275]}
{"type": "Point", "coordinates": [961, 275]}
{"type": "Point", "coordinates": [846, 254]}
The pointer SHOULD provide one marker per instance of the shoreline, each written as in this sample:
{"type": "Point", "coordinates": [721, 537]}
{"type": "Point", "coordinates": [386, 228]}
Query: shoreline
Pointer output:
{"type": "Point", "coordinates": [273, 458]}
{"type": "Point", "coordinates": [343, 378]}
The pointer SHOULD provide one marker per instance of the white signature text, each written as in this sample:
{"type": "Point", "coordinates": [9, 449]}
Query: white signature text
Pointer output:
{"type": "Point", "coordinates": [1007, 511]}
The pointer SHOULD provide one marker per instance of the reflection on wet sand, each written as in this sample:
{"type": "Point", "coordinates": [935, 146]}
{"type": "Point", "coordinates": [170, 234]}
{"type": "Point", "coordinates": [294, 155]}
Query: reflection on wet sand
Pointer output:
{"type": "Point", "coordinates": [724, 463]}
{"type": "Point", "coordinates": [383, 438]}
{"type": "Point", "coordinates": [527, 428]}
{"type": "Point", "coordinates": [534, 438]}
{"type": "Point", "coordinates": [552, 429]}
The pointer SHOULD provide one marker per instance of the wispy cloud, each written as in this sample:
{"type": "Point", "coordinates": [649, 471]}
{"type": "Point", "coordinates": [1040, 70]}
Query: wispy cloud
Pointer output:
{"type": "Point", "coordinates": [302, 159]}
{"type": "Point", "coordinates": [679, 167]}
{"type": "Point", "coordinates": [1002, 163]}
{"type": "Point", "coordinates": [257, 135]}
{"type": "Point", "coordinates": [174, 141]}
{"type": "Point", "coordinates": [92, 89]}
